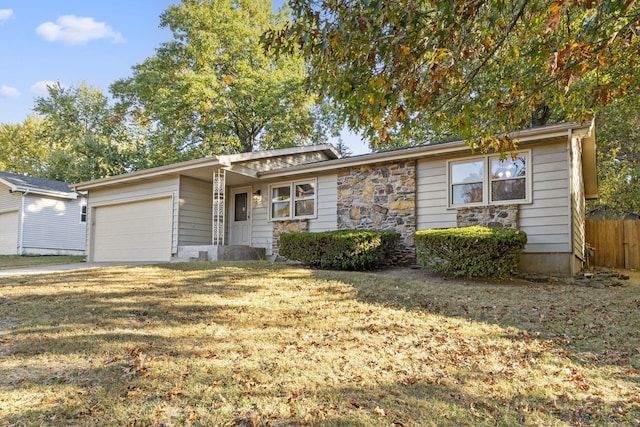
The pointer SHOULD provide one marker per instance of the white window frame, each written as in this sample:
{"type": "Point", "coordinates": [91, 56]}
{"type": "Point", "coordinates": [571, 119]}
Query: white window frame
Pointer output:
{"type": "Point", "coordinates": [293, 199]}
{"type": "Point", "coordinates": [487, 180]}
{"type": "Point", "coordinates": [84, 211]}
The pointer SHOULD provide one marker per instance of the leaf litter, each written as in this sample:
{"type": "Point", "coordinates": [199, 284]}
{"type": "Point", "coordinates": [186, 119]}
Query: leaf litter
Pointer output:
{"type": "Point", "coordinates": [258, 344]}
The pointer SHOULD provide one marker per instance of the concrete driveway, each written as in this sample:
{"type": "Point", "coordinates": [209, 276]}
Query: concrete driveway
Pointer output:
{"type": "Point", "coordinates": [48, 269]}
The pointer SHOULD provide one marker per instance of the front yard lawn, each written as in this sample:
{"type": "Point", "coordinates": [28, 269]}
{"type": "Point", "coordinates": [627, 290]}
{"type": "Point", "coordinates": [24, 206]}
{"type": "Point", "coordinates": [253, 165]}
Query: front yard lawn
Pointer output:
{"type": "Point", "coordinates": [18, 261]}
{"type": "Point", "coordinates": [257, 344]}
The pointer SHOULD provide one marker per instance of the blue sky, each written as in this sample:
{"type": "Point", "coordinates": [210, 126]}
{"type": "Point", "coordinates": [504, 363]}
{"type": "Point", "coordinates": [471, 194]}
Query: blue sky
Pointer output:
{"type": "Point", "coordinates": [74, 41]}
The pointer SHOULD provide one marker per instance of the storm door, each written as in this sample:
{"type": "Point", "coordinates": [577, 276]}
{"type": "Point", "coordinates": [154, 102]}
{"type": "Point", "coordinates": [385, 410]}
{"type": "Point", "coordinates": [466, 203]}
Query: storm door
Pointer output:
{"type": "Point", "coordinates": [240, 216]}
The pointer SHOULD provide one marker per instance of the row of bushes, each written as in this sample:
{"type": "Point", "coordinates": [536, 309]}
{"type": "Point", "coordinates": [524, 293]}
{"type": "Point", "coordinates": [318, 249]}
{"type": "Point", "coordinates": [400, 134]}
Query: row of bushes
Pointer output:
{"type": "Point", "coordinates": [471, 251]}
{"type": "Point", "coordinates": [341, 249]}
{"type": "Point", "coordinates": [468, 251]}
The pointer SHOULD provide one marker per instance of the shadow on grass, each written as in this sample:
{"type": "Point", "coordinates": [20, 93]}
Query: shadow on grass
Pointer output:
{"type": "Point", "coordinates": [585, 319]}
{"type": "Point", "coordinates": [55, 318]}
{"type": "Point", "coordinates": [404, 403]}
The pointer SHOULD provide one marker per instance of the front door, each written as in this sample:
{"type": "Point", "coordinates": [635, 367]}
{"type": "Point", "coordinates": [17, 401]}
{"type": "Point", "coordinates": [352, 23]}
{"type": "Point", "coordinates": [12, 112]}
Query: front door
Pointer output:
{"type": "Point", "coordinates": [240, 216]}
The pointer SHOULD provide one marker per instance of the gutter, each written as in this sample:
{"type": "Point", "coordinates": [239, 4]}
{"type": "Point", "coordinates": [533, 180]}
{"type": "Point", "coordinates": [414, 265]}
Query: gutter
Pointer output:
{"type": "Point", "coordinates": [438, 149]}
{"type": "Point", "coordinates": [165, 170]}
{"type": "Point", "coordinates": [60, 194]}
{"type": "Point", "coordinates": [20, 243]}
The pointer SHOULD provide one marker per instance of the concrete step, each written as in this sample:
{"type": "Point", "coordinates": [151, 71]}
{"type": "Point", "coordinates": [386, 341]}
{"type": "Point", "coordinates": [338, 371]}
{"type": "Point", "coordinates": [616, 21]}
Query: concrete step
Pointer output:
{"type": "Point", "coordinates": [219, 253]}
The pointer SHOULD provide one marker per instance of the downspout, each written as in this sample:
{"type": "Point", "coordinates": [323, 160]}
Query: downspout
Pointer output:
{"type": "Point", "coordinates": [572, 261]}
{"type": "Point", "coordinates": [21, 240]}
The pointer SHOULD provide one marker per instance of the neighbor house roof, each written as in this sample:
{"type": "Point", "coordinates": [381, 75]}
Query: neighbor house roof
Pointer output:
{"type": "Point", "coordinates": [46, 187]}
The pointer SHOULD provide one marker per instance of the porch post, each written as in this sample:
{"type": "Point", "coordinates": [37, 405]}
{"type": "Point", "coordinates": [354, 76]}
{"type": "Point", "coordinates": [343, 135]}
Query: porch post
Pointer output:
{"type": "Point", "coordinates": [217, 238]}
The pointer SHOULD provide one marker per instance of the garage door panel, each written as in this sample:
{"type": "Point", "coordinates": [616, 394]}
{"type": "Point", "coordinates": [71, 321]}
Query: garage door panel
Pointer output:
{"type": "Point", "coordinates": [9, 233]}
{"type": "Point", "coordinates": [139, 231]}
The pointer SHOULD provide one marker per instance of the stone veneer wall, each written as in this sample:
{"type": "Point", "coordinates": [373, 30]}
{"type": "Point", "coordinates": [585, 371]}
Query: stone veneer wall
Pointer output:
{"type": "Point", "coordinates": [380, 197]}
{"type": "Point", "coordinates": [281, 227]}
{"type": "Point", "coordinates": [505, 216]}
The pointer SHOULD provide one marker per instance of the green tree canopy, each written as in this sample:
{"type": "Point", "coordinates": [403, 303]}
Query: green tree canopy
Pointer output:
{"type": "Point", "coordinates": [619, 159]}
{"type": "Point", "coordinates": [84, 137]}
{"type": "Point", "coordinates": [472, 68]}
{"type": "Point", "coordinates": [213, 89]}
{"type": "Point", "coordinates": [21, 151]}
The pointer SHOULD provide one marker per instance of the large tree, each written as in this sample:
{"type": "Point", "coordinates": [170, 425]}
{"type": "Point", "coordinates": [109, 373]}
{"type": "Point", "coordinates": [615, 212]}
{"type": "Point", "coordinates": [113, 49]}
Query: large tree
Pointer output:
{"type": "Point", "coordinates": [619, 159]}
{"type": "Point", "coordinates": [84, 136]}
{"type": "Point", "coordinates": [21, 151]}
{"type": "Point", "coordinates": [213, 89]}
{"type": "Point", "coordinates": [415, 70]}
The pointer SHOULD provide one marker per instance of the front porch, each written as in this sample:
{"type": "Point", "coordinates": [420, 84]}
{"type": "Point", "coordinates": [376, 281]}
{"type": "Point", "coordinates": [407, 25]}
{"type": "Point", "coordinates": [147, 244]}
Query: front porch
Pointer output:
{"type": "Point", "coordinates": [215, 217]}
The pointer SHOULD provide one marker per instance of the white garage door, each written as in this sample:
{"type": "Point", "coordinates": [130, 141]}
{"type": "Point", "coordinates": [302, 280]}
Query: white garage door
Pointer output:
{"type": "Point", "coordinates": [9, 233]}
{"type": "Point", "coordinates": [139, 231]}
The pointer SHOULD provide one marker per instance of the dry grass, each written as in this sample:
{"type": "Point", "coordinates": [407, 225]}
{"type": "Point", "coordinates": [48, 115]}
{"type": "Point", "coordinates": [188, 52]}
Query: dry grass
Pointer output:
{"type": "Point", "coordinates": [259, 344]}
{"type": "Point", "coordinates": [16, 261]}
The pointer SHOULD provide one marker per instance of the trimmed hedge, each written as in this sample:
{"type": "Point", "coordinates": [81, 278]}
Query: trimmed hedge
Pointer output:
{"type": "Point", "coordinates": [341, 249]}
{"type": "Point", "coordinates": [475, 251]}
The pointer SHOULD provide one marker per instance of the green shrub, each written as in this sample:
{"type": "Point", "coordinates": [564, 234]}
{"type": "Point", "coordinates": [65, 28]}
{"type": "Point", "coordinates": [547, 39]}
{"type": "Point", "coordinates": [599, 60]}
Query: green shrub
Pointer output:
{"type": "Point", "coordinates": [471, 251]}
{"type": "Point", "coordinates": [341, 249]}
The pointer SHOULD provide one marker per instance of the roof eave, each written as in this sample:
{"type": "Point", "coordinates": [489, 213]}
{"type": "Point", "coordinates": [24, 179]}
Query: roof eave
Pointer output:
{"type": "Point", "coordinates": [148, 173]}
{"type": "Point", "coordinates": [41, 192]}
{"type": "Point", "coordinates": [328, 149]}
{"type": "Point", "coordinates": [524, 136]}
{"type": "Point", "coordinates": [213, 161]}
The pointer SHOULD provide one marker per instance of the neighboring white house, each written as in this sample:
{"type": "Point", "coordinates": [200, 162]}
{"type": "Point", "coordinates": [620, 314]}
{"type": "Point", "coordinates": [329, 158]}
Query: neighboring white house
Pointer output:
{"type": "Point", "coordinates": [248, 200]}
{"type": "Point", "coordinates": [40, 217]}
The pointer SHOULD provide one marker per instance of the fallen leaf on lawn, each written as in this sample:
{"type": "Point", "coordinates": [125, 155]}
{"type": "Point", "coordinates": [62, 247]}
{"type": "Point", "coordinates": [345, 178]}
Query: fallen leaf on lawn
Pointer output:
{"type": "Point", "coordinates": [379, 411]}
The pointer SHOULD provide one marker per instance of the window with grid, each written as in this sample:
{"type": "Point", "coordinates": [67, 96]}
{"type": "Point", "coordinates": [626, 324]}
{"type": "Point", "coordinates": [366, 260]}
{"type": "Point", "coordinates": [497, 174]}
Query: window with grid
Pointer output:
{"type": "Point", "coordinates": [293, 200]}
{"type": "Point", "coordinates": [489, 180]}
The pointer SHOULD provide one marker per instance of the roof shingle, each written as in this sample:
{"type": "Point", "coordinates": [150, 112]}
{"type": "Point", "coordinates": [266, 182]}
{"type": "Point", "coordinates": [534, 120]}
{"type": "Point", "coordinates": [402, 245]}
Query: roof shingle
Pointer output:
{"type": "Point", "coordinates": [35, 184]}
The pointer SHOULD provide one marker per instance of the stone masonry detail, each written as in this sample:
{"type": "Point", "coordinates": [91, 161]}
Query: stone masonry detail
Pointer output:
{"type": "Point", "coordinates": [505, 216]}
{"type": "Point", "coordinates": [380, 197]}
{"type": "Point", "coordinates": [281, 227]}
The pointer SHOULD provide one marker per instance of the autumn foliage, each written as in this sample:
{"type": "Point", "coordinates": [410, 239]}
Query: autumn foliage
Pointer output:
{"type": "Point", "coordinates": [417, 70]}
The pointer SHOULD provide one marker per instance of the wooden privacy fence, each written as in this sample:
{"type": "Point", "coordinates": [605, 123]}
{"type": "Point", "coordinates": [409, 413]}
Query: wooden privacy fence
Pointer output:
{"type": "Point", "coordinates": [616, 243]}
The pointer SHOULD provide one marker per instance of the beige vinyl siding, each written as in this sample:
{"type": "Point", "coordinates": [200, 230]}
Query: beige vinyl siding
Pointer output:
{"type": "Point", "coordinates": [545, 220]}
{"type": "Point", "coordinates": [327, 200]}
{"type": "Point", "coordinates": [146, 190]}
{"type": "Point", "coordinates": [261, 228]}
{"type": "Point", "coordinates": [431, 195]}
{"type": "Point", "coordinates": [51, 223]}
{"type": "Point", "coordinates": [195, 210]}
{"type": "Point", "coordinates": [327, 218]}
{"type": "Point", "coordinates": [9, 202]}
{"type": "Point", "coordinates": [578, 215]}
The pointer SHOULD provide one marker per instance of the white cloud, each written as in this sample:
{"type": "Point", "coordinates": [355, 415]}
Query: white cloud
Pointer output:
{"type": "Point", "coordinates": [73, 29]}
{"type": "Point", "coordinates": [5, 14]}
{"type": "Point", "coordinates": [8, 91]}
{"type": "Point", "coordinates": [42, 87]}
